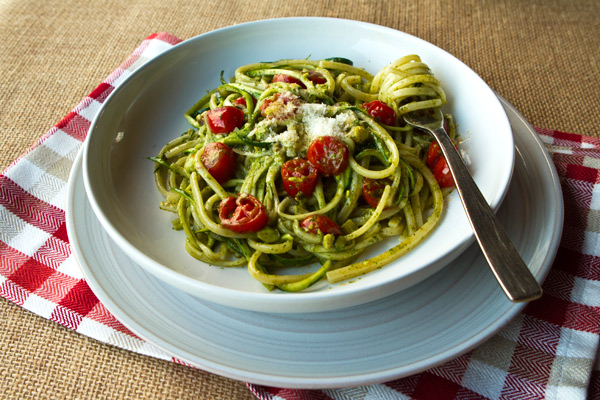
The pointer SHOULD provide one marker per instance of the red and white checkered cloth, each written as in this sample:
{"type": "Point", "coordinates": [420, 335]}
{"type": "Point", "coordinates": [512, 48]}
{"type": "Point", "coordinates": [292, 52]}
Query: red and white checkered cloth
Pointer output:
{"type": "Point", "coordinates": [547, 352]}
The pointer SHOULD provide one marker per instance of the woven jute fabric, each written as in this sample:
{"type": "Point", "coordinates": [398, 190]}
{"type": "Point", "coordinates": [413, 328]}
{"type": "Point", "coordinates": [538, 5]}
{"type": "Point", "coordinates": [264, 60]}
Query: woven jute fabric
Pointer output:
{"type": "Point", "coordinates": [542, 56]}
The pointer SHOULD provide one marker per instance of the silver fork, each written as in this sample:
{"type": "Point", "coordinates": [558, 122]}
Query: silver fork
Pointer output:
{"type": "Point", "coordinates": [514, 277]}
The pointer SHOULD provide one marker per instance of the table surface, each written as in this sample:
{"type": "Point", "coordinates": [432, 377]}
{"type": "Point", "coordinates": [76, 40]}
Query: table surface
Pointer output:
{"type": "Point", "coordinates": [542, 56]}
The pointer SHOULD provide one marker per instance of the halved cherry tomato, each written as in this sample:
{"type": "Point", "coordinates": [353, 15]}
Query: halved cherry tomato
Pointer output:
{"type": "Point", "coordinates": [372, 190]}
{"type": "Point", "coordinates": [241, 102]}
{"type": "Point", "coordinates": [242, 215]}
{"type": "Point", "coordinates": [225, 119]}
{"type": "Point", "coordinates": [316, 77]}
{"type": "Point", "coordinates": [329, 155]}
{"type": "Point", "coordinates": [287, 79]}
{"type": "Point", "coordinates": [437, 163]}
{"type": "Point", "coordinates": [433, 154]}
{"type": "Point", "coordinates": [442, 173]}
{"type": "Point", "coordinates": [219, 160]}
{"type": "Point", "coordinates": [299, 176]}
{"type": "Point", "coordinates": [316, 224]}
{"type": "Point", "coordinates": [381, 112]}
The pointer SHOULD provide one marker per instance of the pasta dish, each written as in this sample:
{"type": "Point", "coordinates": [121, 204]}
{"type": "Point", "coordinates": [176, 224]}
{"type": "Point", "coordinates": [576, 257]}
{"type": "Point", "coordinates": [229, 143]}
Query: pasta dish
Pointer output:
{"type": "Point", "coordinates": [306, 163]}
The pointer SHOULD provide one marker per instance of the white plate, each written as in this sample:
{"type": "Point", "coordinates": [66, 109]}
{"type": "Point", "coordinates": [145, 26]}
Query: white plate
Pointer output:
{"type": "Point", "coordinates": [416, 329]}
{"type": "Point", "coordinates": [146, 111]}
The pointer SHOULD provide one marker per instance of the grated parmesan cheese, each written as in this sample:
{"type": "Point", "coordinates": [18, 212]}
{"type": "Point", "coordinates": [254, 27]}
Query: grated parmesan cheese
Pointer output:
{"type": "Point", "coordinates": [309, 124]}
{"type": "Point", "coordinates": [316, 124]}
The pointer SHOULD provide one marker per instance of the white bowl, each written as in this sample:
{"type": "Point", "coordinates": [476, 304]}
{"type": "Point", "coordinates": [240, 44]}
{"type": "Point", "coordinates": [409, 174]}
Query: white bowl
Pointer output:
{"type": "Point", "coordinates": [147, 110]}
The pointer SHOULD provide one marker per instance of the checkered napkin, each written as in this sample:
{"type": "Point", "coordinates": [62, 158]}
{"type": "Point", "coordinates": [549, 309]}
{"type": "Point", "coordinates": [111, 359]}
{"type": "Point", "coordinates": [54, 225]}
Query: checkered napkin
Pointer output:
{"type": "Point", "coordinates": [548, 351]}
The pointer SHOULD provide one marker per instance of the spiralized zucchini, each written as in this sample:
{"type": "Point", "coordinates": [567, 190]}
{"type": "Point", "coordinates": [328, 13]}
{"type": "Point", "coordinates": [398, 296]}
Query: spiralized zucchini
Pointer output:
{"type": "Point", "coordinates": [410, 205]}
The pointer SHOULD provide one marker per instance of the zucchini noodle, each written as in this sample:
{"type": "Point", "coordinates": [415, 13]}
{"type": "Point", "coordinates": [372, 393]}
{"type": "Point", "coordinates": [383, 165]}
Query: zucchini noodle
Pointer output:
{"type": "Point", "coordinates": [287, 105]}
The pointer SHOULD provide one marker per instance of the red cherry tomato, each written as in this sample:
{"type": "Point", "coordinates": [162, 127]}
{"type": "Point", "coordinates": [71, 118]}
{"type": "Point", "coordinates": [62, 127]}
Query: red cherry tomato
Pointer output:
{"type": "Point", "coordinates": [433, 154]}
{"type": "Point", "coordinates": [287, 79]}
{"type": "Point", "coordinates": [242, 215]}
{"type": "Point", "coordinates": [219, 160]}
{"type": "Point", "coordinates": [316, 224]}
{"type": "Point", "coordinates": [225, 119]}
{"type": "Point", "coordinates": [381, 112]}
{"type": "Point", "coordinates": [316, 77]}
{"type": "Point", "coordinates": [442, 173]}
{"type": "Point", "coordinates": [265, 106]}
{"type": "Point", "coordinates": [329, 155]}
{"type": "Point", "coordinates": [299, 176]}
{"type": "Point", "coordinates": [372, 190]}
{"type": "Point", "coordinates": [241, 102]}
{"type": "Point", "coordinates": [437, 163]}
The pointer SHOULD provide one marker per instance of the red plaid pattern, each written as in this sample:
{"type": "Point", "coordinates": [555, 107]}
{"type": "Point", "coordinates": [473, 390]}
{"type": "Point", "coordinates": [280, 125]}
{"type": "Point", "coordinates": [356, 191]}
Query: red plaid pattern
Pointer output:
{"type": "Point", "coordinates": [548, 351]}
{"type": "Point", "coordinates": [37, 270]}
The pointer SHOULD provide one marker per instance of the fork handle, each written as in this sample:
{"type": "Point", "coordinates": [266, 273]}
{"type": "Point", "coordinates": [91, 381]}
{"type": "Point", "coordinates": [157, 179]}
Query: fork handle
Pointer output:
{"type": "Point", "coordinates": [512, 273]}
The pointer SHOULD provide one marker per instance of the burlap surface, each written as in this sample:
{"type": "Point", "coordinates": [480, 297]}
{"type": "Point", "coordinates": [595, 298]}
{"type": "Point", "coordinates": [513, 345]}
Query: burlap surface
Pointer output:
{"type": "Point", "coordinates": [542, 56]}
